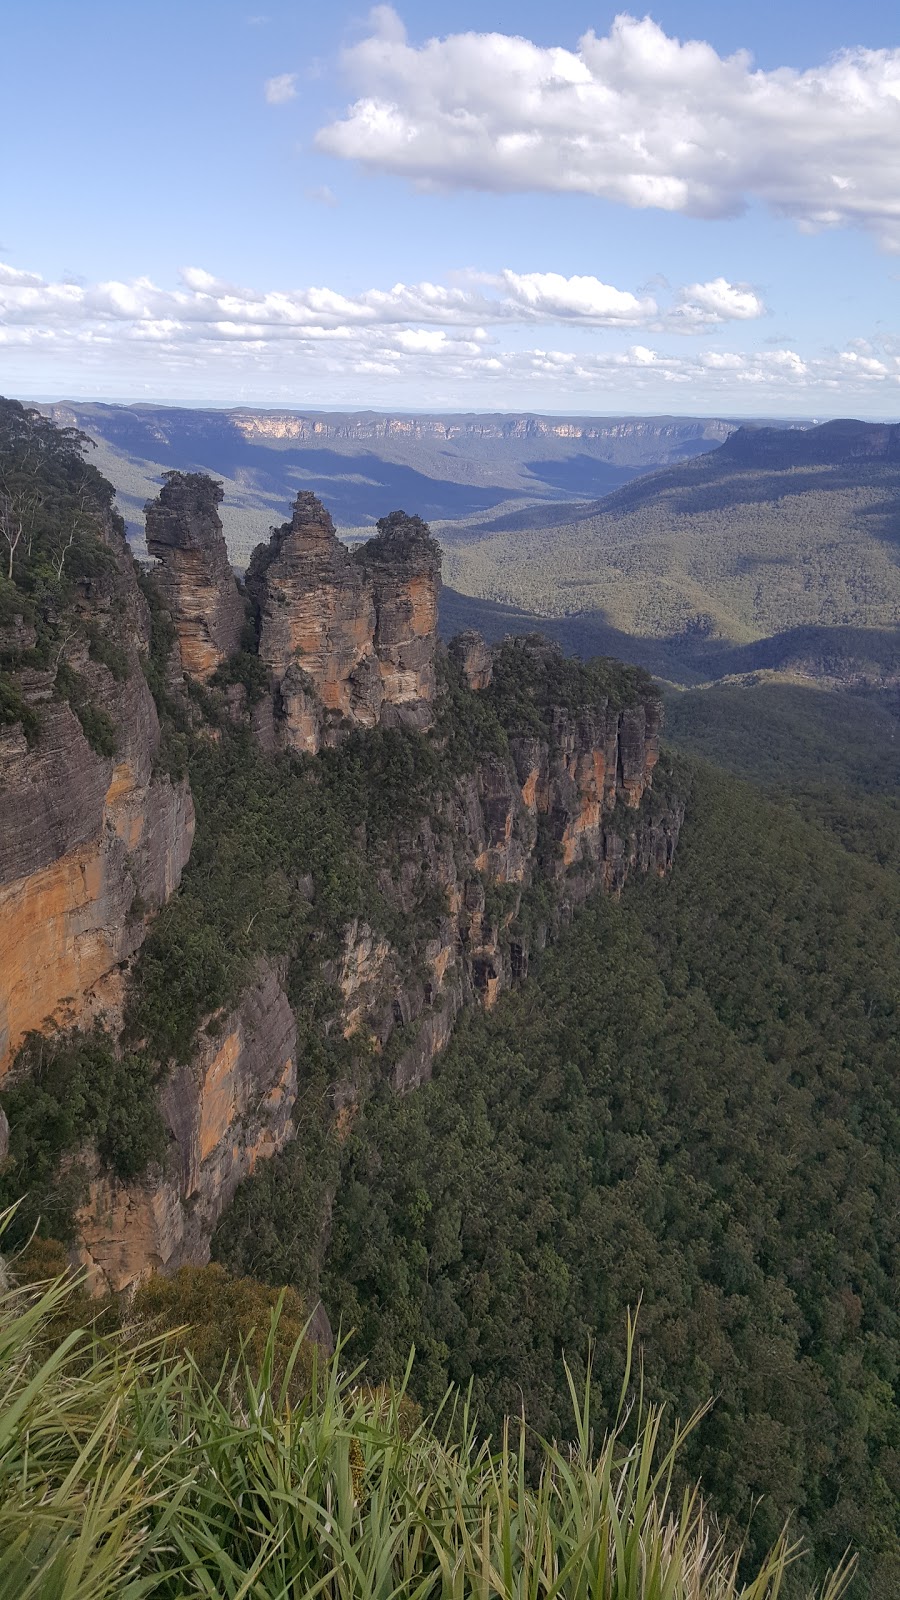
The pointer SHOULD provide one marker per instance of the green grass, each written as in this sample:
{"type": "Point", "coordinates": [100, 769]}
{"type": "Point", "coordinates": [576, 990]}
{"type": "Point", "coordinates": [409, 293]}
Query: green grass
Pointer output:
{"type": "Point", "coordinates": [124, 1473]}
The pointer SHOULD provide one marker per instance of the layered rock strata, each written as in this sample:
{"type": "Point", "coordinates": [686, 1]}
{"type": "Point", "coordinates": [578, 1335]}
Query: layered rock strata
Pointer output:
{"type": "Point", "coordinates": [184, 533]}
{"type": "Point", "coordinates": [90, 844]}
{"type": "Point", "coordinates": [473, 657]}
{"type": "Point", "coordinates": [349, 639]}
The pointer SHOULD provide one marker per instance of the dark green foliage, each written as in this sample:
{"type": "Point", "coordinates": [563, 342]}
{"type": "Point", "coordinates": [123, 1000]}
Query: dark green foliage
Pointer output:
{"type": "Point", "coordinates": [56, 518]}
{"type": "Point", "coordinates": [63, 1093]}
{"type": "Point", "coordinates": [265, 825]}
{"type": "Point", "coordinates": [245, 667]}
{"type": "Point", "coordinates": [51, 501]}
{"type": "Point", "coordinates": [834, 758]}
{"type": "Point", "coordinates": [105, 650]}
{"type": "Point", "coordinates": [288, 849]}
{"type": "Point", "coordinates": [728, 546]}
{"type": "Point", "coordinates": [694, 1101]}
{"type": "Point", "coordinates": [532, 677]}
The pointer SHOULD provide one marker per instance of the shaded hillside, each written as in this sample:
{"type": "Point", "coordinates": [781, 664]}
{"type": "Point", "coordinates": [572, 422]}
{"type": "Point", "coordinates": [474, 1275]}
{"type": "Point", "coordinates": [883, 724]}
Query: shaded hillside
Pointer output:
{"type": "Point", "coordinates": [833, 757]}
{"type": "Point", "coordinates": [863, 659]}
{"type": "Point", "coordinates": [460, 469]}
{"type": "Point", "coordinates": [777, 529]}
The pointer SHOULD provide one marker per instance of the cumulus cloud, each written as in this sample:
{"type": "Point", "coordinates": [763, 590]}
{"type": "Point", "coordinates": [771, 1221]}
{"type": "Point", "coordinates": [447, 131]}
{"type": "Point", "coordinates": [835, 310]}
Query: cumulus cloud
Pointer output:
{"type": "Point", "coordinates": [484, 299]}
{"type": "Point", "coordinates": [212, 337]}
{"type": "Point", "coordinates": [634, 116]}
{"type": "Point", "coordinates": [281, 88]}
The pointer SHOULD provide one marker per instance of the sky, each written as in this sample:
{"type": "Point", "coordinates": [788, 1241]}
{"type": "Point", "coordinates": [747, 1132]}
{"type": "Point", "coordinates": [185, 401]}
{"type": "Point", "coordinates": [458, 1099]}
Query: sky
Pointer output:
{"type": "Point", "coordinates": [491, 206]}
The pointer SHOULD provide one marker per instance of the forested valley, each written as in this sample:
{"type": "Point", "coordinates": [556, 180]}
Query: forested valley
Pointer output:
{"type": "Point", "coordinates": [691, 1107]}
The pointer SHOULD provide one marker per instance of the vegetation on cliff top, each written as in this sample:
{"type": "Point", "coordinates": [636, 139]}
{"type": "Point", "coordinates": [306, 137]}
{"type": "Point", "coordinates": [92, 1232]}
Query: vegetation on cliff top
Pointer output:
{"type": "Point", "coordinates": [125, 1475]}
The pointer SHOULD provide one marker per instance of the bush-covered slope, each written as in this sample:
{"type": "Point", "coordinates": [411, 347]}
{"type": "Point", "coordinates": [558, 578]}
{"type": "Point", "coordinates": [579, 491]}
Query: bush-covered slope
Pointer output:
{"type": "Point", "coordinates": [774, 530]}
{"type": "Point", "coordinates": [695, 1103]}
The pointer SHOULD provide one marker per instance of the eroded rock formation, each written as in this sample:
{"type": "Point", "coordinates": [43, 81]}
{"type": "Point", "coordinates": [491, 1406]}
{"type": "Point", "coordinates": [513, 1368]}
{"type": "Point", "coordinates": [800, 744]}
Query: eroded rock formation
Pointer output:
{"type": "Point", "coordinates": [403, 565]}
{"type": "Point", "coordinates": [473, 657]}
{"type": "Point", "coordinates": [554, 804]}
{"type": "Point", "coordinates": [347, 637]}
{"type": "Point", "coordinates": [184, 532]}
{"type": "Point", "coordinates": [571, 809]}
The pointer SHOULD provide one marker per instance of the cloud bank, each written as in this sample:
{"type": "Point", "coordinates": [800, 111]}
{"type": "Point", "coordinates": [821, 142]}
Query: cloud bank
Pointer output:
{"type": "Point", "coordinates": [417, 343]}
{"type": "Point", "coordinates": [635, 117]}
{"type": "Point", "coordinates": [483, 299]}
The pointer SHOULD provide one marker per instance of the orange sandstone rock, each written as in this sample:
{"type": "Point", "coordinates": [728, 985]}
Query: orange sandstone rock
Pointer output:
{"type": "Point", "coordinates": [184, 531]}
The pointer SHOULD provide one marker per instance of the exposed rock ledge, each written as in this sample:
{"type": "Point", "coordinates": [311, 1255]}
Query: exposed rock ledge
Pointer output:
{"type": "Point", "coordinates": [228, 1109]}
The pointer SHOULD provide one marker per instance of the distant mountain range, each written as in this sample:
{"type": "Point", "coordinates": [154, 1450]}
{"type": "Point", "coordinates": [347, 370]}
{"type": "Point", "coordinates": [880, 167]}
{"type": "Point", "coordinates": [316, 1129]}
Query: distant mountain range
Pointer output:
{"type": "Point", "coordinates": [695, 547]}
{"type": "Point", "coordinates": [465, 469]}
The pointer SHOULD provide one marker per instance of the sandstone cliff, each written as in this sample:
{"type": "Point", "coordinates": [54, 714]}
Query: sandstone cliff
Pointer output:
{"type": "Point", "coordinates": [349, 639]}
{"type": "Point", "coordinates": [515, 846]}
{"type": "Point", "coordinates": [529, 786]}
{"type": "Point", "coordinates": [184, 532]}
{"type": "Point", "coordinates": [226, 1110]}
{"type": "Point", "coordinates": [92, 840]}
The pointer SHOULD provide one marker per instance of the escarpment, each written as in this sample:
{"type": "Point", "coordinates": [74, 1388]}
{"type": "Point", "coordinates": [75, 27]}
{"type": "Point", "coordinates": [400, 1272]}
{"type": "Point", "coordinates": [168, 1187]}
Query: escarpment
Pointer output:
{"type": "Point", "coordinates": [387, 831]}
{"type": "Point", "coordinates": [184, 532]}
{"type": "Point", "coordinates": [93, 836]}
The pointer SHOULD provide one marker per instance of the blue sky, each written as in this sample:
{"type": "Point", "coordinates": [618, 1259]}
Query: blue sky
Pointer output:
{"type": "Point", "coordinates": [488, 206]}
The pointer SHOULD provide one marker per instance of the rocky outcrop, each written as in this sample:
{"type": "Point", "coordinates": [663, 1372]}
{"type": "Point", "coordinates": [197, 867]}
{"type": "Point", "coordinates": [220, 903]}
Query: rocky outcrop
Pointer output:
{"type": "Point", "coordinates": [516, 846]}
{"type": "Point", "coordinates": [184, 533]}
{"type": "Point", "coordinates": [550, 797]}
{"type": "Point", "coordinates": [349, 639]}
{"type": "Point", "coordinates": [90, 844]}
{"type": "Point", "coordinates": [625, 438]}
{"type": "Point", "coordinates": [316, 627]}
{"type": "Point", "coordinates": [473, 657]}
{"type": "Point", "coordinates": [403, 565]}
{"type": "Point", "coordinates": [230, 1108]}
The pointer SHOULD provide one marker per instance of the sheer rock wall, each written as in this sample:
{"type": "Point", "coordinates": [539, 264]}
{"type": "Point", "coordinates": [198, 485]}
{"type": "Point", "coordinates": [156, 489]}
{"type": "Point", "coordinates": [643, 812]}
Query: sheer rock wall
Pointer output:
{"type": "Point", "coordinates": [184, 532]}
{"type": "Point", "coordinates": [91, 845]}
{"type": "Point", "coordinates": [225, 1111]}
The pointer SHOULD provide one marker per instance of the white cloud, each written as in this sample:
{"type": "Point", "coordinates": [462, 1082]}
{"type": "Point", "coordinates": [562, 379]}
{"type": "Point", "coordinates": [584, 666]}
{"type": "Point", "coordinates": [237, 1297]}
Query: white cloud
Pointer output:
{"type": "Point", "coordinates": [549, 296]}
{"type": "Point", "coordinates": [209, 337]}
{"type": "Point", "coordinates": [635, 117]}
{"type": "Point", "coordinates": [280, 89]}
{"type": "Point", "coordinates": [483, 300]}
{"type": "Point", "coordinates": [717, 301]}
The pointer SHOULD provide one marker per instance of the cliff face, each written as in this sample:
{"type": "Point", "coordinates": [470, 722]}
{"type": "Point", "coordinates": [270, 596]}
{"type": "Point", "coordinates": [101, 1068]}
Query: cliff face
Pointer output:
{"type": "Point", "coordinates": [346, 637]}
{"type": "Point", "coordinates": [184, 532]}
{"type": "Point", "coordinates": [662, 434]}
{"type": "Point", "coordinates": [570, 811]}
{"type": "Point", "coordinates": [229, 1108]}
{"type": "Point", "coordinates": [524, 801]}
{"type": "Point", "coordinates": [90, 844]}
